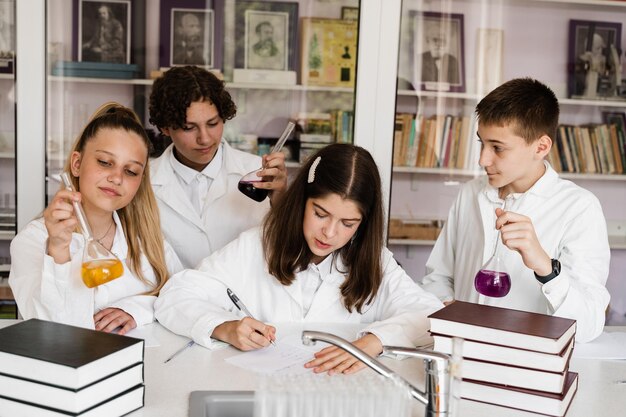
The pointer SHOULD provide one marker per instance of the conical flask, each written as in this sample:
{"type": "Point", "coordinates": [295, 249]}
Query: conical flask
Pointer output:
{"type": "Point", "coordinates": [492, 280]}
{"type": "Point", "coordinates": [100, 265]}
{"type": "Point", "coordinates": [246, 183]}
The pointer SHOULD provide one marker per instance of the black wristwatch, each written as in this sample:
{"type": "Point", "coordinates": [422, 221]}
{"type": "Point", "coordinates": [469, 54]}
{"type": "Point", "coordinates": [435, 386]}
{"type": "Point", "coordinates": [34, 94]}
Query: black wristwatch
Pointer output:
{"type": "Point", "coordinates": [556, 270]}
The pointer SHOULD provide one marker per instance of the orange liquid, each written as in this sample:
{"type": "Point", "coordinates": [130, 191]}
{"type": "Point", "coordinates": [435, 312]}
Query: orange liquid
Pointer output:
{"type": "Point", "coordinates": [102, 271]}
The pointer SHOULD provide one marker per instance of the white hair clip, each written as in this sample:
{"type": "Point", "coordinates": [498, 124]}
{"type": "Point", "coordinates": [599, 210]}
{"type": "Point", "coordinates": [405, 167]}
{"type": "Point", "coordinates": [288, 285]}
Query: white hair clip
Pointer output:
{"type": "Point", "coordinates": [313, 168]}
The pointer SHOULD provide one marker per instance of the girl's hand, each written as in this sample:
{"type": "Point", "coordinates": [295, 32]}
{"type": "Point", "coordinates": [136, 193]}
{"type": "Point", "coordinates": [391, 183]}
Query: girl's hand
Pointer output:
{"type": "Point", "coordinates": [336, 360]}
{"type": "Point", "coordinates": [245, 334]}
{"type": "Point", "coordinates": [110, 319]}
{"type": "Point", "coordinates": [518, 234]}
{"type": "Point", "coordinates": [60, 221]}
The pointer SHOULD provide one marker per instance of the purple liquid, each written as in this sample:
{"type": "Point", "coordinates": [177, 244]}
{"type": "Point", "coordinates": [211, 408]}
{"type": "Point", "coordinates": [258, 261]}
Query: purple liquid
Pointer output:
{"type": "Point", "coordinates": [492, 283]}
{"type": "Point", "coordinates": [248, 188]}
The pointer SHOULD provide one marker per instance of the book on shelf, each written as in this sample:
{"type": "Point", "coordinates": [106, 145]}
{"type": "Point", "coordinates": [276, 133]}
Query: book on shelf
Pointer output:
{"type": "Point", "coordinates": [503, 326]}
{"type": "Point", "coordinates": [514, 376]}
{"type": "Point", "coordinates": [65, 356]}
{"type": "Point", "coordinates": [550, 404]}
{"type": "Point", "coordinates": [615, 146]}
{"type": "Point", "coordinates": [590, 149]}
{"type": "Point", "coordinates": [507, 355]}
{"type": "Point", "coordinates": [71, 400]}
{"type": "Point", "coordinates": [95, 69]}
{"type": "Point", "coordinates": [438, 141]}
{"type": "Point", "coordinates": [342, 125]}
{"type": "Point", "coordinates": [329, 49]}
{"type": "Point", "coordinates": [120, 405]}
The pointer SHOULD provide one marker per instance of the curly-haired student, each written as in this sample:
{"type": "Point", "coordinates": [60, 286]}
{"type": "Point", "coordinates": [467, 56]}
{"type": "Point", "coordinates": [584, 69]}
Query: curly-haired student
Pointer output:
{"type": "Point", "coordinates": [195, 179]}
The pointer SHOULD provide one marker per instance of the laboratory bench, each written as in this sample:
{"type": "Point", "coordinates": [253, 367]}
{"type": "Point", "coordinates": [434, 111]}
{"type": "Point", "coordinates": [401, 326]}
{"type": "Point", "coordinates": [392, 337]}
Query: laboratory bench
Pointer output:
{"type": "Point", "coordinates": [601, 392]}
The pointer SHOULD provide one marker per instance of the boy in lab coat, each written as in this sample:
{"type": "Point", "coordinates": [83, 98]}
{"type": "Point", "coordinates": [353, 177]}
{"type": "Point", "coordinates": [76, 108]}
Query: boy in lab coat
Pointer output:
{"type": "Point", "coordinates": [558, 252]}
{"type": "Point", "coordinates": [195, 179]}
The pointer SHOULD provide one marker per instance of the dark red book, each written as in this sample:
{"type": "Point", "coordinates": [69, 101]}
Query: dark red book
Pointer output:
{"type": "Point", "coordinates": [503, 326]}
{"type": "Point", "coordinates": [522, 399]}
{"type": "Point", "coordinates": [508, 355]}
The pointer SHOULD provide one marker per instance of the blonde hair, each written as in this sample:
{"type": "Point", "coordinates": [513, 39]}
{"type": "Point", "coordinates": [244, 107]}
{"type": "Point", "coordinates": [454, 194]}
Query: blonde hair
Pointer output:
{"type": "Point", "coordinates": [140, 218]}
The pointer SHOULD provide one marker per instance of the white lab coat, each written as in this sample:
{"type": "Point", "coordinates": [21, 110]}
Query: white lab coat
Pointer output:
{"type": "Point", "coordinates": [46, 290]}
{"type": "Point", "coordinates": [570, 225]}
{"type": "Point", "coordinates": [227, 212]}
{"type": "Point", "coordinates": [194, 302]}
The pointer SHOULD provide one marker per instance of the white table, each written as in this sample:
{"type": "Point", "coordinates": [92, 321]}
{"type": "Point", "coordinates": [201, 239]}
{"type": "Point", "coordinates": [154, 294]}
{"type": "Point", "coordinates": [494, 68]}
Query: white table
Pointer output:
{"type": "Point", "coordinates": [168, 385]}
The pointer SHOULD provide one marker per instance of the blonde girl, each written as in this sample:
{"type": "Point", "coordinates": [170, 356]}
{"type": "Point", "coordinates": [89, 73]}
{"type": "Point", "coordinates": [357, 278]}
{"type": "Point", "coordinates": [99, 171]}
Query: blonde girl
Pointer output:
{"type": "Point", "coordinates": [108, 166]}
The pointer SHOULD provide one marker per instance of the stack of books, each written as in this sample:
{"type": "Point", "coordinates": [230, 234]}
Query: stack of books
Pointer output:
{"type": "Point", "coordinates": [52, 369]}
{"type": "Point", "coordinates": [314, 133]}
{"type": "Point", "coordinates": [511, 358]}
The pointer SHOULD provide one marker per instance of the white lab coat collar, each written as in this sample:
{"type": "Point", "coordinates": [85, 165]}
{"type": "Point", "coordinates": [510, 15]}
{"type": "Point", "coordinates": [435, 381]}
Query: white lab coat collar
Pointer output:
{"type": "Point", "coordinates": [189, 174]}
{"type": "Point", "coordinates": [230, 165]}
{"type": "Point", "coordinates": [543, 187]}
{"type": "Point", "coordinates": [165, 184]}
{"type": "Point", "coordinates": [328, 293]}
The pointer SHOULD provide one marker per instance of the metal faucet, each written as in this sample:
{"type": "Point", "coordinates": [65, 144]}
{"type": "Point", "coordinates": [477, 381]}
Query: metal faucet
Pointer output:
{"type": "Point", "coordinates": [436, 394]}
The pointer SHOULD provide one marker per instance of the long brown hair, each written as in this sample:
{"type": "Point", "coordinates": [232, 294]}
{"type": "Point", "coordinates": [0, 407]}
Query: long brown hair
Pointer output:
{"type": "Point", "coordinates": [140, 218]}
{"type": "Point", "coordinates": [350, 172]}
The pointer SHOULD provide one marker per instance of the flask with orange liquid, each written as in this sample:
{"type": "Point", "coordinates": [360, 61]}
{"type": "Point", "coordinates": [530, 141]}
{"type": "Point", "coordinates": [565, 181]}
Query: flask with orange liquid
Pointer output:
{"type": "Point", "coordinates": [99, 264]}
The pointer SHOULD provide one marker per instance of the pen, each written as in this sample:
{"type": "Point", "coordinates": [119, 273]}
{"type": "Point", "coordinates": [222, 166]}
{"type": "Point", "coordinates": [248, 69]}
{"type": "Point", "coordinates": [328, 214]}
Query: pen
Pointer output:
{"type": "Point", "coordinates": [179, 351]}
{"type": "Point", "coordinates": [241, 306]}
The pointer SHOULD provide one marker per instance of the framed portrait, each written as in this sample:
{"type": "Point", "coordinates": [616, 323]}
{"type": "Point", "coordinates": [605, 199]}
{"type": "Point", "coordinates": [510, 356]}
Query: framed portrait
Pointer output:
{"type": "Point", "coordinates": [104, 31]}
{"type": "Point", "coordinates": [438, 51]}
{"type": "Point", "coordinates": [7, 36]}
{"type": "Point", "coordinates": [266, 35]}
{"type": "Point", "coordinates": [192, 33]}
{"type": "Point", "coordinates": [349, 13]}
{"type": "Point", "coordinates": [266, 40]}
{"type": "Point", "coordinates": [593, 69]}
{"type": "Point", "coordinates": [489, 52]}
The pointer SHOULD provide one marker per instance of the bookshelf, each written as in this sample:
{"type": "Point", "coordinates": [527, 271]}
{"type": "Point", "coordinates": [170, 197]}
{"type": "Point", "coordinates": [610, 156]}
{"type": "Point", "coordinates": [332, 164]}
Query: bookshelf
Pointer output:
{"type": "Point", "coordinates": [535, 44]}
{"type": "Point", "coordinates": [229, 85]}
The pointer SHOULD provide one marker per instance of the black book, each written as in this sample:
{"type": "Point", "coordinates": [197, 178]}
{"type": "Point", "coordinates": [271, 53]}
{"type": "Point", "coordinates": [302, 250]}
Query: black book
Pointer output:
{"type": "Point", "coordinates": [117, 406]}
{"type": "Point", "coordinates": [69, 400]}
{"type": "Point", "coordinates": [65, 356]}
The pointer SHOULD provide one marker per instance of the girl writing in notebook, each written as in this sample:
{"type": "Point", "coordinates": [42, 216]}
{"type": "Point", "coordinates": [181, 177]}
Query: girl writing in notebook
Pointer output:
{"type": "Point", "coordinates": [108, 166]}
{"type": "Point", "coordinates": [318, 257]}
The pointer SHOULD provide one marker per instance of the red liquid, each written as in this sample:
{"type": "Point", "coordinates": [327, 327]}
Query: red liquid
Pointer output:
{"type": "Point", "coordinates": [248, 188]}
{"type": "Point", "coordinates": [492, 283]}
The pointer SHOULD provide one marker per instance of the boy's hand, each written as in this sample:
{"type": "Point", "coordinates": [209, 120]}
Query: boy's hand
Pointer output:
{"type": "Point", "coordinates": [518, 233]}
{"type": "Point", "coordinates": [274, 174]}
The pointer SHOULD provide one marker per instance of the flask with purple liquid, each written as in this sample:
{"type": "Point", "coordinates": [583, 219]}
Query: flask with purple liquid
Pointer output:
{"type": "Point", "coordinates": [491, 280]}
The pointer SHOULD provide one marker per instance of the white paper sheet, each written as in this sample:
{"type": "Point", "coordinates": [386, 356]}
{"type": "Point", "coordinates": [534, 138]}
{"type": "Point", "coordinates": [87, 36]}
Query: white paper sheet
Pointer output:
{"type": "Point", "coordinates": [282, 359]}
{"type": "Point", "coordinates": [609, 345]}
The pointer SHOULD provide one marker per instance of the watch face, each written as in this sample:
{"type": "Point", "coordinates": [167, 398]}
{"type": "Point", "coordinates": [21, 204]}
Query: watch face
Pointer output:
{"type": "Point", "coordinates": [556, 267]}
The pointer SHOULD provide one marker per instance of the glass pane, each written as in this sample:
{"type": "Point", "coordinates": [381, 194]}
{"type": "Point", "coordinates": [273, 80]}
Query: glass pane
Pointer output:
{"type": "Point", "coordinates": [309, 79]}
{"type": "Point", "coordinates": [8, 225]}
{"type": "Point", "coordinates": [454, 52]}
{"type": "Point", "coordinates": [7, 136]}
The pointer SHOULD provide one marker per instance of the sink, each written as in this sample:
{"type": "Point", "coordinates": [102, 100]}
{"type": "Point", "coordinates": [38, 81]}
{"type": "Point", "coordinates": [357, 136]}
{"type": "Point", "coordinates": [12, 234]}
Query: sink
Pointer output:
{"type": "Point", "coordinates": [221, 404]}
